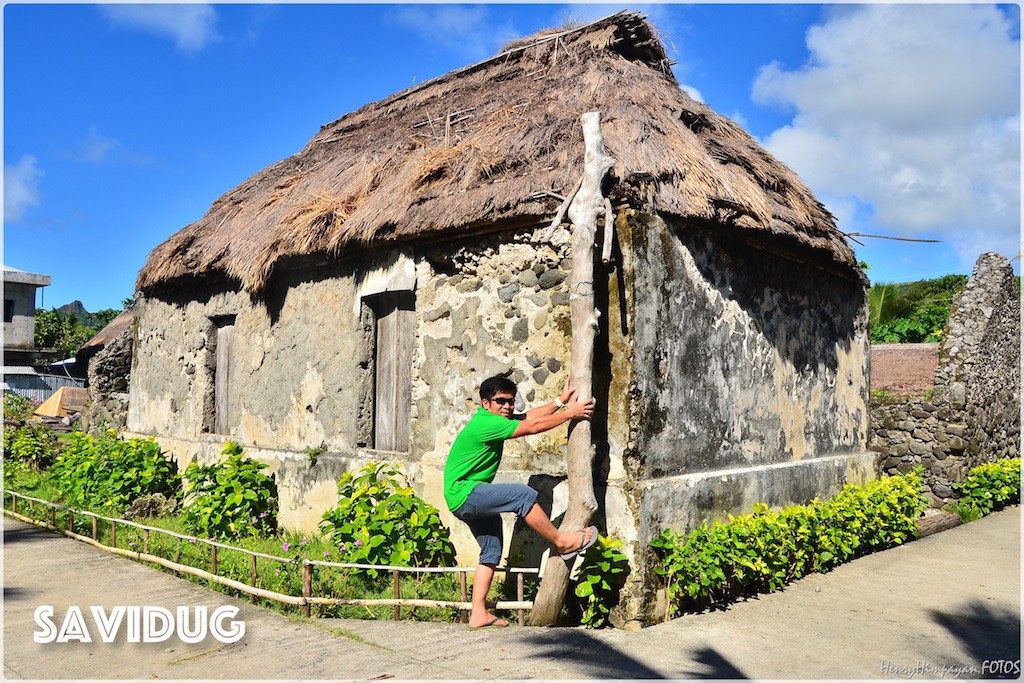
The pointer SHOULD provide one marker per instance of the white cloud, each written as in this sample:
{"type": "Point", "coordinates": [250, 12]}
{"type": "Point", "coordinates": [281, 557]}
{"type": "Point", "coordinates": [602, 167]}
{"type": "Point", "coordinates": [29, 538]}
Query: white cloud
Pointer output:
{"type": "Point", "coordinates": [21, 187]}
{"type": "Point", "coordinates": [192, 27]}
{"type": "Point", "coordinates": [692, 92]}
{"type": "Point", "coordinates": [739, 118]}
{"type": "Point", "coordinates": [470, 30]}
{"type": "Point", "coordinates": [95, 148]}
{"type": "Point", "coordinates": [914, 111]}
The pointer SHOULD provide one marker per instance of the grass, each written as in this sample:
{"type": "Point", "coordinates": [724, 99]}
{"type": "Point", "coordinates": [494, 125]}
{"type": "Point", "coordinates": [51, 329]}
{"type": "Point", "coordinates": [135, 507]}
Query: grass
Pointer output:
{"type": "Point", "coordinates": [271, 575]}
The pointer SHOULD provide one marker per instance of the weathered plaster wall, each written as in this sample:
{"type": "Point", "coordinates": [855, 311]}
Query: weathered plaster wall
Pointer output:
{"type": "Point", "coordinates": [752, 378]}
{"type": "Point", "coordinates": [484, 306]}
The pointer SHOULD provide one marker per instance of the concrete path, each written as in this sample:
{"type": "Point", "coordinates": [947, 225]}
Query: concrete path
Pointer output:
{"type": "Point", "coordinates": [950, 600]}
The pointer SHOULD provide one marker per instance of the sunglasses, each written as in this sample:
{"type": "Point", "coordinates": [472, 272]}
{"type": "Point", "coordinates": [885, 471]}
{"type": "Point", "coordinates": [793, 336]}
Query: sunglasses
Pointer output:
{"type": "Point", "coordinates": [502, 401]}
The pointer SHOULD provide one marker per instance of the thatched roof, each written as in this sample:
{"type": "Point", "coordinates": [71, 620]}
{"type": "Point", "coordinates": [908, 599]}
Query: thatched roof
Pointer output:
{"type": "Point", "coordinates": [486, 146]}
{"type": "Point", "coordinates": [114, 329]}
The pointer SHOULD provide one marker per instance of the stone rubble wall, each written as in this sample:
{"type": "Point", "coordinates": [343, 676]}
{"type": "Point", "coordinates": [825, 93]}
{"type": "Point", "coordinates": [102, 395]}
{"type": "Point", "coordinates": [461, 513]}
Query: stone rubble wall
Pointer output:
{"type": "Point", "coordinates": [109, 377]}
{"type": "Point", "coordinates": [973, 415]}
{"type": "Point", "coordinates": [302, 373]}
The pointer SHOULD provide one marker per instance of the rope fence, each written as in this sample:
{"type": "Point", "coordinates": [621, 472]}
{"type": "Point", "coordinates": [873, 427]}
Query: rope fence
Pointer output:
{"type": "Point", "coordinates": [303, 601]}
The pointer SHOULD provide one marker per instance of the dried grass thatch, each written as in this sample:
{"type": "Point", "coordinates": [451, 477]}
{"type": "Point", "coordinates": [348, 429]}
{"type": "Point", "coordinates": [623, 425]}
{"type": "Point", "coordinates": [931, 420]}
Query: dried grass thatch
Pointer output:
{"type": "Point", "coordinates": [488, 145]}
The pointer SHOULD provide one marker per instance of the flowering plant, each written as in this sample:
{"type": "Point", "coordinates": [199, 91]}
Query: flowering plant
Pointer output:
{"type": "Point", "coordinates": [230, 498]}
{"type": "Point", "coordinates": [379, 520]}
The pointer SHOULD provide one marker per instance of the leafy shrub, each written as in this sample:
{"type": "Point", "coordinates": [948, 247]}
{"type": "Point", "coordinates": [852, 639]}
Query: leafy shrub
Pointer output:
{"type": "Point", "coordinates": [602, 576]}
{"type": "Point", "coordinates": [991, 486]}
{"type": "Point", "coordinates": [106, 471]}
{"type": "Point", "coordinates": [912, 312]}
{"type": "Point", "coordinates": [230, 498]}
{"type": "Point", "coordinates": [924, 325]}
{"type": "Point", "coordinates": [18, 407]}
{"type": "Point", "coordinates": [379, 520]}
{"type": "Point", "coordinates": [32, 444]}
{"type": "Point", "coordinates": [762, 551]}
{"type": "Point", "coordinates": [967, 512]}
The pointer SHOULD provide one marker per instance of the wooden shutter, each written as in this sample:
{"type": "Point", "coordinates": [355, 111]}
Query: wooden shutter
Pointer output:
{"type": "Point", "coordinates": [222, 372]}
{"type": "Point", "coordinates": [396, 321]}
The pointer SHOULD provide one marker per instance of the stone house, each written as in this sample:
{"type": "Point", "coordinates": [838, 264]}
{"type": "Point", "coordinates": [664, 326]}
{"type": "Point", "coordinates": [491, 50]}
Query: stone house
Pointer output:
{"type": "Point", "coordinates": [354, 295]}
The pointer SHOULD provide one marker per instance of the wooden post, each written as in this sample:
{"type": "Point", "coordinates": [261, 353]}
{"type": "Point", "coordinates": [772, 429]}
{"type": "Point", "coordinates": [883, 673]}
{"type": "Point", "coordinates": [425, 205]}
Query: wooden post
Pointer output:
{"type": "Point", "coordinates": [53, 517]}
{"type": "Point", "coordinates": [464, 596]}
{"type": "Point", "coordinates": [113, 533]}
{"type": "Point", "coordinates": [519, 596]}
{"type": "Point", "coordinates": [307, 586]}
{"type": "Point", "coordinates": [252, 576]}
{"type": "Point", "coordinates": [213, 559]}
{"type": "Point", "coordinates": [145, 541]}
{"type": "Point", "coordinates": [177, 556]}
{"type": "Point", "coordinates": [14, 503]}
{"type": "Point", "coordinates": [583, 212]}
{"type": "Point", "coordinates": [398, 596]}
{"type": "Point", "coordinates": [95, 529]}
{"type": "Point", "coordinates": [71, 520]}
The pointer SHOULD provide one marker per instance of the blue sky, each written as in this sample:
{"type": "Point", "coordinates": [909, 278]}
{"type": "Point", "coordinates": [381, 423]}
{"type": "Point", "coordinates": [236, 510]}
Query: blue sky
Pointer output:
{"type": "Point", "coordinates": [123, 123]}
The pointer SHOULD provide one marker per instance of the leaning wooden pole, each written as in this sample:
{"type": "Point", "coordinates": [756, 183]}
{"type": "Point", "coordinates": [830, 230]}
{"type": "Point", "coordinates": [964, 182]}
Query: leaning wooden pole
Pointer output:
{"type": "Point", "coordinates": [587, 205]}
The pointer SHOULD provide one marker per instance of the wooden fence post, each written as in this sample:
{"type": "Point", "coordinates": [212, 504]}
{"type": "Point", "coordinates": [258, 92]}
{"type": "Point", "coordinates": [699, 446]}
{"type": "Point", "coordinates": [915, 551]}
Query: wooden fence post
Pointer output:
{"type": "Point", "coordinates": [307, 586]}
{"type": "Point", "coordinates": [14, 503]}
{"type": "Point", "coordinates": [464, 596]}
{"type": "Point", "coordinates": [177, 557]}
{"type": "Point", "coordinates": [398, 596]}
{"type": "Point", "coordinates": [213, 559]}
{"type": "Point", "coordinates": [145, 541]}
{"type": "Point", "coordinates": [519, 596]}
{"type": "Point", "coordinates": [95, 529]}
{"type": "Point", "coordinates": [71, 520]}
{"type": "Point", "coordinates": [53, 517]}
{"type": "Point", "coordinates": [113, 533]}
{"type": "Point", "coordinates": [252, 575]}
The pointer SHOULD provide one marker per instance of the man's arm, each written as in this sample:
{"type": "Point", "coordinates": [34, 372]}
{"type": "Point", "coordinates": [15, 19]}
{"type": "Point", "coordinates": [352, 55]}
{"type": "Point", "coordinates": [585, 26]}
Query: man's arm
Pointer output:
{"type": "Point", "coordinates": [574, 410]}
{"type": "Point", "coordinates": [550, 408]}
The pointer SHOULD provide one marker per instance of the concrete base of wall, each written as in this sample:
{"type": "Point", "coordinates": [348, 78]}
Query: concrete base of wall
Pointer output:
{"type": "Point", "coordinates": [683, 502]}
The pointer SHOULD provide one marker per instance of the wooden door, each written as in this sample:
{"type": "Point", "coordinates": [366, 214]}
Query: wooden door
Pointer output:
{"type": "Point", "coordinates": [393, 376]}
{"type": "Point", "coordinates": [222, 373]}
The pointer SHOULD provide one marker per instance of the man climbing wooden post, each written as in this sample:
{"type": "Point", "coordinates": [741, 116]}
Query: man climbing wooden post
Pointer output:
{"type": "Point", "coordinates": [587, 204]}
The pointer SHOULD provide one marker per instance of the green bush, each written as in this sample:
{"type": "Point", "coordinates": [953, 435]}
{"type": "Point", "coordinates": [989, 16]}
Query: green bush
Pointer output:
{"type": "Point", "coordinates": [32, 444]}
{"type": "Point", "coordinates": [911, 312]}
{"type": "Point", "coordinates": [966, 511]}
{"type": "Point", "coordinates": [762, 551]}
{"type": "Point", "coordinates": [991, 486]}
{"type": "Point", "coordinates": [106, 471]}
{"type": "Point", "coordinates": [602, 576]}
{"type": "Point", "coordinates": [379, 520]}
{"type": "Point", "coordinates": [230, 498]}
{"type": "Point", "coordinates": [18, 407]}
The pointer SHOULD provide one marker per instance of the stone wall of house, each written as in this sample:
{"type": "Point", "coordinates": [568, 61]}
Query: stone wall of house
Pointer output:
{"type": "Point", "coordinates": [491, 305]}
{"type": "Point", "coordinates": [973, 415]}
{"type": "Point", "coordinates": [752, 380]}
{"type": "Point", "coordinates": [109, 377]}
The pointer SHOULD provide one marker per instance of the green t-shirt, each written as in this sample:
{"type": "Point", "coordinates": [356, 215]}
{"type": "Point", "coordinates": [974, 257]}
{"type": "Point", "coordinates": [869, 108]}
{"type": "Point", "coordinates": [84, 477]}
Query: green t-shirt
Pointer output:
{"type": "Point", "coordinates": [475, 455]}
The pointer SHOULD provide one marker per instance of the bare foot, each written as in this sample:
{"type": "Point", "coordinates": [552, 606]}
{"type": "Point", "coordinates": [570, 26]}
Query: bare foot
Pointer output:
{"type": "Point", "coordinates": [486, 619]}
{"type": "Point", "coordinates": [570, 542]}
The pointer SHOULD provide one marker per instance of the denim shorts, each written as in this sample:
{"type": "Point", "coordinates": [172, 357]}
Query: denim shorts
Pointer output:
{"type": "Point", "coordinates": [481, 512]}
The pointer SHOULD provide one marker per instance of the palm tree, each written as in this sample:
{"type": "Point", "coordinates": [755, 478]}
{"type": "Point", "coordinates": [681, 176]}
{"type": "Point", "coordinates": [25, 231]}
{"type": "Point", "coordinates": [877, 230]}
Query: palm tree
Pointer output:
{"type": "Point", "coordinates": [886, 304]}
